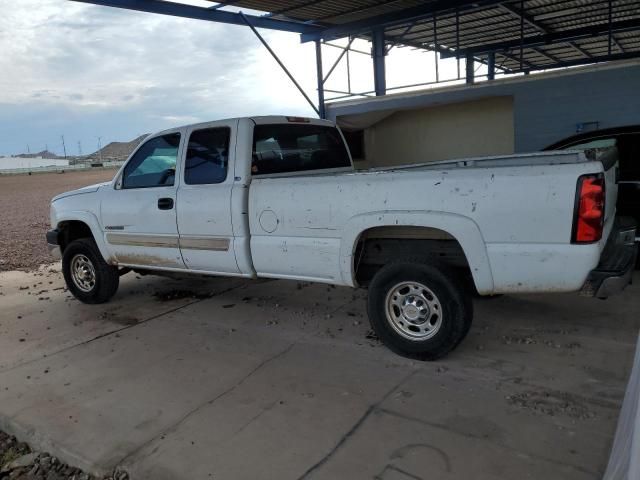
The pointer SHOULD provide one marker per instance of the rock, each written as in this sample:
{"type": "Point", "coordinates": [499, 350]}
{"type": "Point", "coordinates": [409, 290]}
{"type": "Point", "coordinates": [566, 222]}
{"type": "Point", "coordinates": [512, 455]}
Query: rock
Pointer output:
{"type": "Point", "coordinates": [21, 462]}
{"type": "Point", "coordinates": [27, 465]}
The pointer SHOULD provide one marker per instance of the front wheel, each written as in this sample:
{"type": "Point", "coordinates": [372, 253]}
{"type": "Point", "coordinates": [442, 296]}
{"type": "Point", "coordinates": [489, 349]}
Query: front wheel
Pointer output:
{"type": "Point", "coordinates": [89, 278]}
{"type": "Point", "coordinates": [419, 310]}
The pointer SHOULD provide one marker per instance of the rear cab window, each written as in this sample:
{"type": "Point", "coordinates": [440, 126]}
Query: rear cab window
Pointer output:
{"type": "Point", "coordinates": [287, 148]}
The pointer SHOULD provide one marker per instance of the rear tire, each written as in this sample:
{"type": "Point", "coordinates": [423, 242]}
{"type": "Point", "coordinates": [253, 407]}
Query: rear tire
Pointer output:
{"type": "Point", "coordinates": [420, 311]}
{"type": "Point", "coordinates": [89, 278]}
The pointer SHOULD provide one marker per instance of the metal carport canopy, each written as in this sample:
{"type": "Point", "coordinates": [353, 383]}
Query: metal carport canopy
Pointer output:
{"type": "Point", "coordinates": [513, 36]}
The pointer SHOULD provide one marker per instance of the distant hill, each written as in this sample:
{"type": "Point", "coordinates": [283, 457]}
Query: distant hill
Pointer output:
{"type": "Point", "coordinates": [116, 151]}
{"type": "Point", "coordinates": [43, 154]}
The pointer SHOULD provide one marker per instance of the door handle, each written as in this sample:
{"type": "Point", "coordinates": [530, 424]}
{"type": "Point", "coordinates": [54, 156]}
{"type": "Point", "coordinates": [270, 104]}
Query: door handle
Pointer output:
{"type": "Point", "coordinates": [165, 203]}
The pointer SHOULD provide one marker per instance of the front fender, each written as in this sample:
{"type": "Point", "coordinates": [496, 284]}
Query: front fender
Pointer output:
{"type": "Point", "coordinates": [463, 229]}
{"type": "Point", "coordinates": [91, 221]}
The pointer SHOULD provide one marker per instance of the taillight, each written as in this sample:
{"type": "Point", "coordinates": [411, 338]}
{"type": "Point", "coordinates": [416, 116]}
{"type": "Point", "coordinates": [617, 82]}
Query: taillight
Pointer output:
{"type": "Point", "coordinates": [588, 219]}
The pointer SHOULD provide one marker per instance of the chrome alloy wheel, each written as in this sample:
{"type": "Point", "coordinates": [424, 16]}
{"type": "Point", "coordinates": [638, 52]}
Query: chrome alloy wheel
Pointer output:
{"type": "Point", "coordinates": [83, 273]}
{"type": "Point", "coordinates": [413, 311]}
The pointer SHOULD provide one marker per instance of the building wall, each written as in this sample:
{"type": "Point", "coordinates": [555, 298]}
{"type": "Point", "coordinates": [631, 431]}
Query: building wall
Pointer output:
{"type": "Point", "coordinates": [547, 107]}
{"type": "Point", "coordinates": [478, 127]}
{"type": "Point", "coordinates": [8, 163]}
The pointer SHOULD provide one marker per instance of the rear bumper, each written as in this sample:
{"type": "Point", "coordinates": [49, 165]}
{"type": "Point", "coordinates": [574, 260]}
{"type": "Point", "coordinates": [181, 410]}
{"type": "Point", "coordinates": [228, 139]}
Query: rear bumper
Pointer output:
{"type": "Point", "coordinates": [617, 262]}
{"type": "Point", "coordinates": [52, 244]}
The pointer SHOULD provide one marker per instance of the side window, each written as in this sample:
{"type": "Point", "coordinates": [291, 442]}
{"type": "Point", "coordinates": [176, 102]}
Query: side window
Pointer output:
{"type": "Point", "coordinates": [154, 164]}
{"type": "Point", "coordinates": [207, 156]}
{"type": "Point", "coordinates": [283, 148]}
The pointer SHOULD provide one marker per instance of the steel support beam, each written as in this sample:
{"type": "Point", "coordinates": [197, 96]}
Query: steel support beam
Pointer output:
{"type": "Point", "coordinates": [529, 20]}
{"type": "Point", "coordinates": [616, 42]}
{"type": "Point", "coordinates": [379, 69]}
{"type": "Point", "coordinates": [550, 38]}
{"type": "Point", "coordinates": [587, 61]}
{"type": "Point", "coordinates": [247, 22]}
{"type": "Point", "coordinates": [337, 62]}
{"type": "Point", "coordinates": [399, 17]}
{"type": "Point", "coordinates": [225, 3]}
{"type": "Point", "coordinates": [208, 14]}
{"type": "Point", "coordinates": [321, 106]}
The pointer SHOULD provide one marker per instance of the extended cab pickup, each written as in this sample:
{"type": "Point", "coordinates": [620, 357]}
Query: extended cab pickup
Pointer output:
{"type": "Point", "coordinates": [278, 197]}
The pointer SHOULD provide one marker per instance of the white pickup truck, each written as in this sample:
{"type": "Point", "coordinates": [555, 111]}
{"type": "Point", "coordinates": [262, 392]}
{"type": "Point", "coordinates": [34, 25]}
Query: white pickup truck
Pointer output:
{"type": "Point", "coordinates": [278, 197]}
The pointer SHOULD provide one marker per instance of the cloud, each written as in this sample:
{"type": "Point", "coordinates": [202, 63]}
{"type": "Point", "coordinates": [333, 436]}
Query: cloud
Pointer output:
{"type": "Point", "coordinates": [85, 71]}
{"type": "Point", "coordinates": [86, 62]}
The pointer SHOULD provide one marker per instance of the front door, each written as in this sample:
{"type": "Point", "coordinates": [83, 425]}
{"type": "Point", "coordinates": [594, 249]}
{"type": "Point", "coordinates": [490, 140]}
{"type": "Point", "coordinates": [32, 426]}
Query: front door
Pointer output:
{"type": "Point", "coordinates": [204, 199]}
{"type": "Point", "coordinates": [139, 214]}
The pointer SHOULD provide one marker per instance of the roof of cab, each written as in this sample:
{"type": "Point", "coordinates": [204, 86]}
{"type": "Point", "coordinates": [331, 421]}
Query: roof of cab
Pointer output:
{"type": "Point", "coordinates": [258, 120]}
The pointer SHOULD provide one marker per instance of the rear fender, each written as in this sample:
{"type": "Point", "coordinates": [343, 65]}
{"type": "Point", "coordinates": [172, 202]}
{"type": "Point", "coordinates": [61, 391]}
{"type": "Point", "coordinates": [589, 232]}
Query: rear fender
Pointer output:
{"type": "Point", "coordinates": [463, 229]}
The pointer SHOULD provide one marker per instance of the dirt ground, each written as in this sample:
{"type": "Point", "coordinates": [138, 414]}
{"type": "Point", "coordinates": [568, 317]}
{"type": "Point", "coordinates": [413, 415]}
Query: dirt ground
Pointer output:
{"type": "Point", "coordinates": [25, 214]}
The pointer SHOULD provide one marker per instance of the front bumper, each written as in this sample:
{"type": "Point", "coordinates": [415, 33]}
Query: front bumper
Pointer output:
{"type": "Point", "coordinates": [617, 262]}
{"type": "Point", "coordinates": [52, 244]}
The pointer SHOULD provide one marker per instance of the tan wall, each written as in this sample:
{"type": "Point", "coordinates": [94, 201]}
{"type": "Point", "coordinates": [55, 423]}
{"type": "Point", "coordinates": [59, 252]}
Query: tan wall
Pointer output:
{"type": "Point", "coordinates": [469, 129]}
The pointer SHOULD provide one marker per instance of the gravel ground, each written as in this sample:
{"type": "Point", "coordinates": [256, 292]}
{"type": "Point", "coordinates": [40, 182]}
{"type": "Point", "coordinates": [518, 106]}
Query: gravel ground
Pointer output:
{"type": "Point", "coordinates": [24, 219]}
{"type": "Point", "coordinates": [19, 462]}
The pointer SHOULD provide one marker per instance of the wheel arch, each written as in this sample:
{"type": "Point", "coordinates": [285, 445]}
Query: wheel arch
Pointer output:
{"type": "Point", "coordinates": [450, 226]}
{"type": "Point", "coordinates": [76, 225]}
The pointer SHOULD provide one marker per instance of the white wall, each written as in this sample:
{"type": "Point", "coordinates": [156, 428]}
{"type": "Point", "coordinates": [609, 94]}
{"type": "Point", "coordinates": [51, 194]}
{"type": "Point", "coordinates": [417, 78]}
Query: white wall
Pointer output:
{"type": "Point", "coordinates": [466, 129]}
{"type": "Point", "coordinates": [9, 163]}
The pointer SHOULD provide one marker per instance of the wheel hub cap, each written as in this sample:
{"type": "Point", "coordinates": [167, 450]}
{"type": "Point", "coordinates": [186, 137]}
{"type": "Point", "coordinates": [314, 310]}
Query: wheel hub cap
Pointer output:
{"type": "Point", "coordinates": [83, 273]}
{"type": "Point", "coordinates": [414, 311]}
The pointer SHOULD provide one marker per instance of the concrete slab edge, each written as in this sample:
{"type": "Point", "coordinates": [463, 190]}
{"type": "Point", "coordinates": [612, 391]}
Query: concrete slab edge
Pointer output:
{"type": "Point", "coordinates": [42, 443]}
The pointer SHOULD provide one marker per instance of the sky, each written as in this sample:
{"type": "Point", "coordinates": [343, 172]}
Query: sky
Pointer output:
{"type": "Point", "coordinates": [89, 72]}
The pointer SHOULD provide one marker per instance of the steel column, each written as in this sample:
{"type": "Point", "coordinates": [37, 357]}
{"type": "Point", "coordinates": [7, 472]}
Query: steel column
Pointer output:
{"type": "Point", "coordinates": [321, 107]}
{"type": "Point", "coordinates": [379, 70]}
{"type": "Point", "coordinates": [470, 69]}
{"type": "Point", "coordinates": [491, 66]}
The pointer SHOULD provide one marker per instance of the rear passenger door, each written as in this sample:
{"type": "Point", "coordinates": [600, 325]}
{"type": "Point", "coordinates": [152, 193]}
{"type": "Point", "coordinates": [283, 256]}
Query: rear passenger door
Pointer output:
{"type": "Point", "coordinates": [204, 199]}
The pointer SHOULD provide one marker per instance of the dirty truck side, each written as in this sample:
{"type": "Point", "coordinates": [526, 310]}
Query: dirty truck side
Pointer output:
{"type": "Point", "coordinates": [278, 197]}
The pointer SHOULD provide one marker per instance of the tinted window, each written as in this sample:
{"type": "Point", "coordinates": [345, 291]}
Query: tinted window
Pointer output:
{"type": "Point", "coordinates": [355, 142]}
{"type": "Point", "coordinates": [295, 148]}
{"type": "Point", "coordinates": [207, 156]}
{"type": "Point", "coordinates": [154, 164]}
{"type": "Point", "coordinates": [628, 146]}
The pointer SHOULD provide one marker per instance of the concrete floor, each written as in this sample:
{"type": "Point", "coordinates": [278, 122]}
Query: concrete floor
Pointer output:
{"type": "Point", "coordinates": [229, 379]}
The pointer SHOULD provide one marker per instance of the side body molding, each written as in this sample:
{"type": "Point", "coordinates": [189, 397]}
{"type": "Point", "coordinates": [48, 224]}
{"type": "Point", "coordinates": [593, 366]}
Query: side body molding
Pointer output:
{"type": "Point", "coordinates": [463, 229]}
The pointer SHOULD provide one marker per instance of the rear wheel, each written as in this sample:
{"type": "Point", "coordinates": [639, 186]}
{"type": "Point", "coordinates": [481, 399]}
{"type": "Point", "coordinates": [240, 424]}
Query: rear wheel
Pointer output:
{"type": "Point", "coordinates": [89, 278]}
{"type": "Point", "coordinates": [420, 311]}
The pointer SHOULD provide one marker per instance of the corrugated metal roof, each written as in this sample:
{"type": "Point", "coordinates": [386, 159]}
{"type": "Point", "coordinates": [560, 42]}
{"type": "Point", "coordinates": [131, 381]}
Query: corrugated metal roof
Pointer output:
{"type": "Point", "coordinates": [483, 23]}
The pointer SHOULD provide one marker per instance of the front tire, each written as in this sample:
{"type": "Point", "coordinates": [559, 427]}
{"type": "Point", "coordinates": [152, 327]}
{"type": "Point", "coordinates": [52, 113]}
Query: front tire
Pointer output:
{"type": "Point", "coordinates": [89, 278]}
{"type": "Point", "coordinates": [419, 311]}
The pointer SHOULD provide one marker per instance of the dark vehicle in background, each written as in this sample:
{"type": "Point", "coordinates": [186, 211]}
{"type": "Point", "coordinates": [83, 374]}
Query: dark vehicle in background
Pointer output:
{"type": "Point", "coordinates": [627, 141]}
